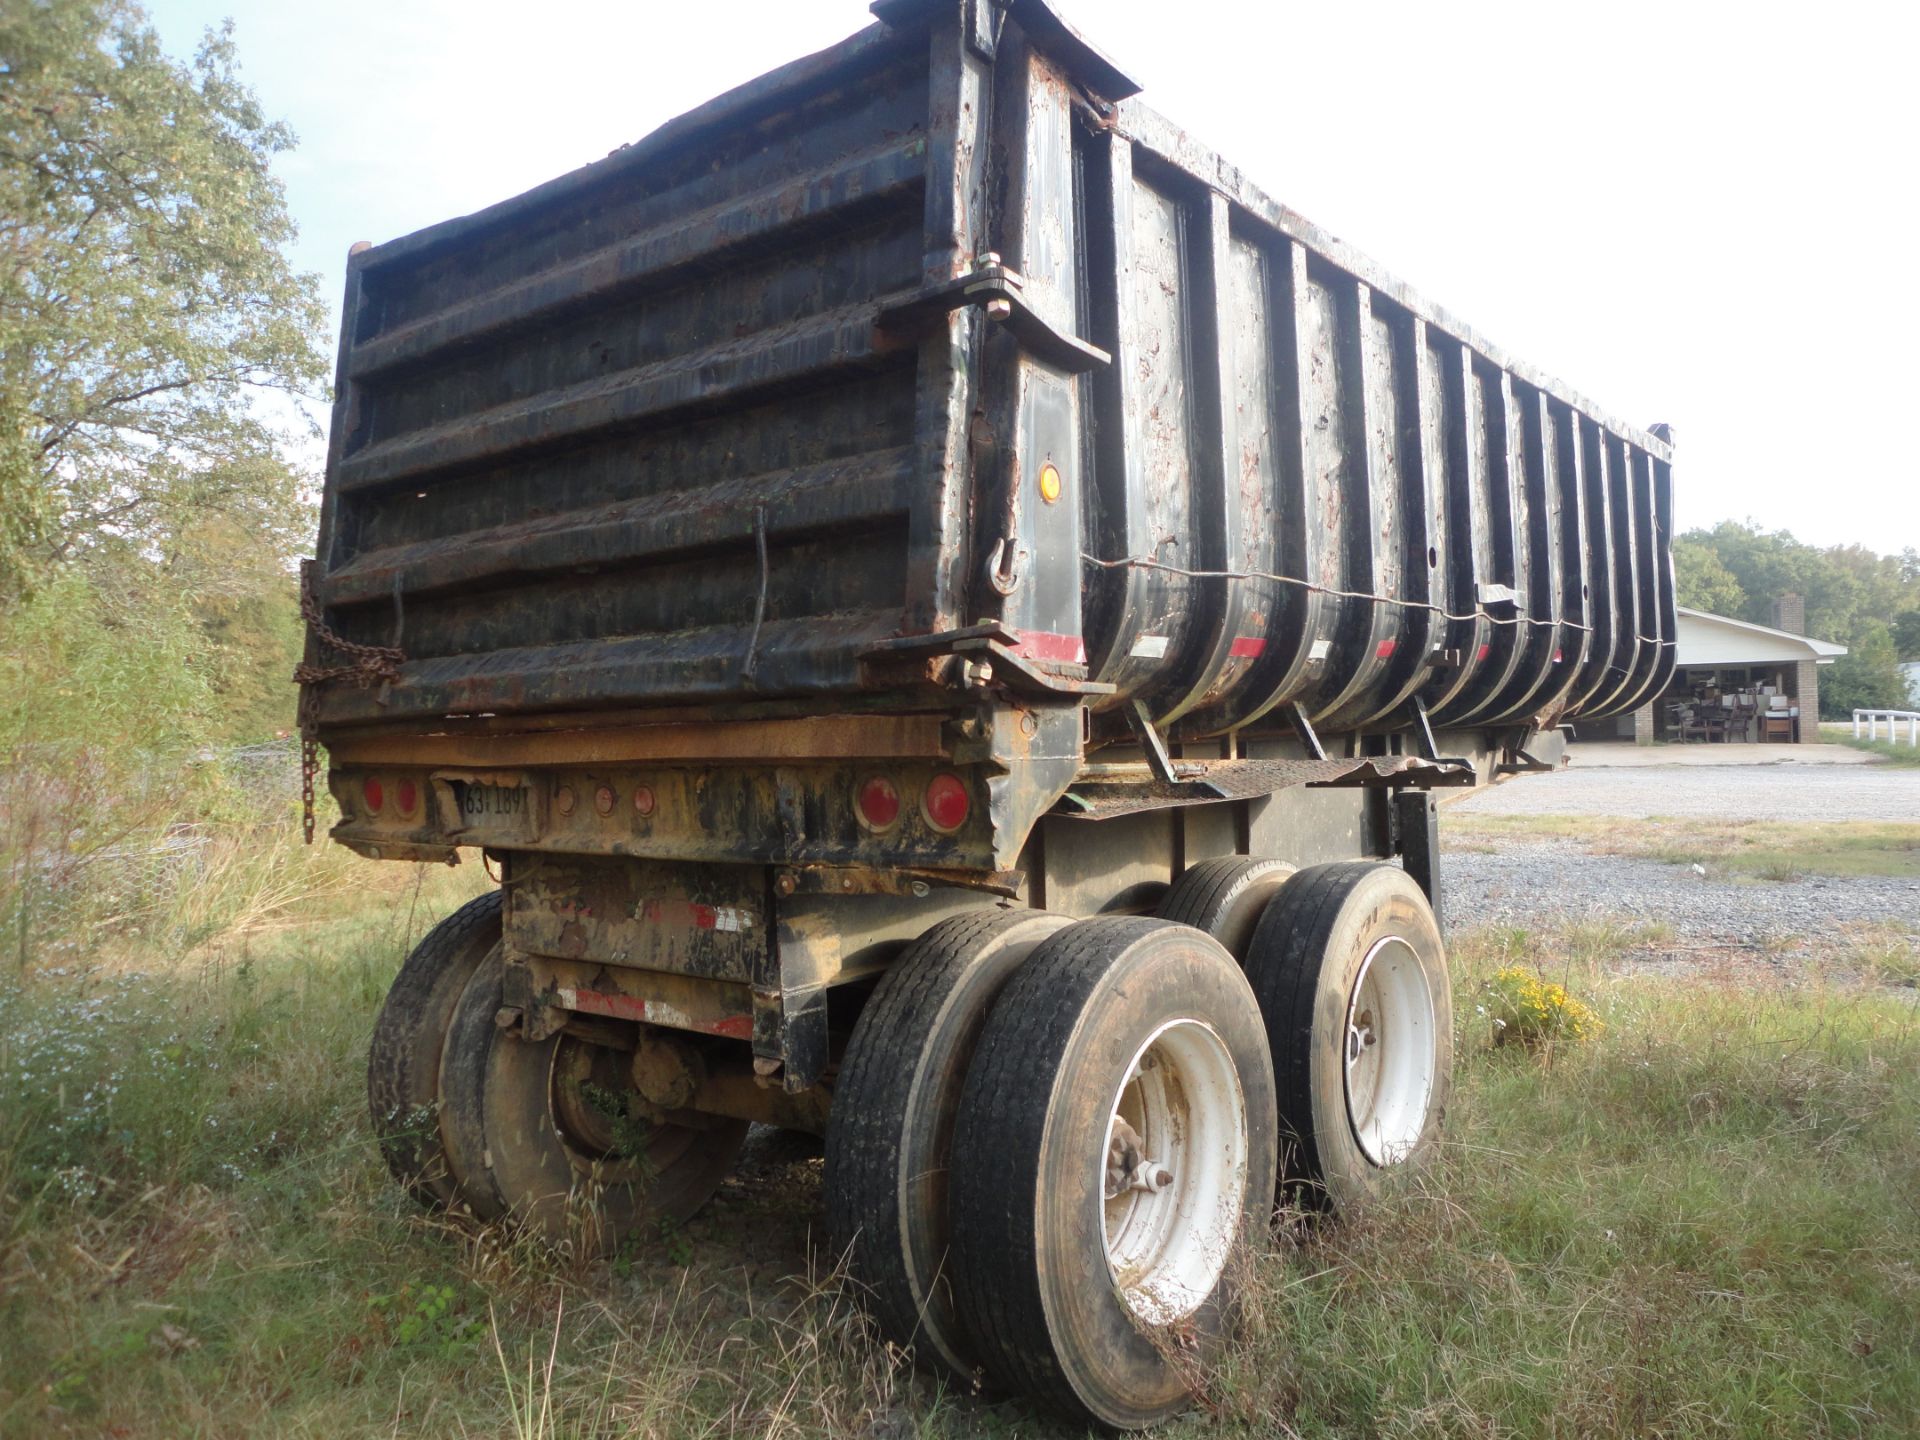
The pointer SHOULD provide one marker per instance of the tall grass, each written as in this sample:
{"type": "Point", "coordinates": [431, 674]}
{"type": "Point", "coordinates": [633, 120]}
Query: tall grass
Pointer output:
{"type": "Point", "coordinates": [1701, 1221]}
{"type": "Point", "coordinates": [1705, 1221]}
{"type": "Point", "coordinates": [94, 857]}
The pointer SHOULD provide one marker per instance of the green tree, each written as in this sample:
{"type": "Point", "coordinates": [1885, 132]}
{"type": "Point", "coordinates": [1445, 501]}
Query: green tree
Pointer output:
{"type": "Point", "coordinates": [1863, 600]}
{"type": "Point", "coordinates": [1906, 635]}
{"type": "Point", "coordinates": [233, 581]}
{"type": "Point", "coordinates": [146, 302]}
{"type": "Point", "coordinates": [1867, 676]}
{"type": "Point", "coordinates": [1704, 583]}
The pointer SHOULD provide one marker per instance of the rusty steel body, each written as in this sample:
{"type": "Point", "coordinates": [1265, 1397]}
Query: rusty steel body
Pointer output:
{"type": "Point", "coordinates": [931, 406]}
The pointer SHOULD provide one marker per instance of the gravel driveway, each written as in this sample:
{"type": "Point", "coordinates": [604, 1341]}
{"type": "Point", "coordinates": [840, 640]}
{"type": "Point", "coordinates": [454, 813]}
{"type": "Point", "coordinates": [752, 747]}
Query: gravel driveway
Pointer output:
{"type": "Point", "coordinates": [1541, 882]}
{"type": "Point", "coordinates": [1744, 792]}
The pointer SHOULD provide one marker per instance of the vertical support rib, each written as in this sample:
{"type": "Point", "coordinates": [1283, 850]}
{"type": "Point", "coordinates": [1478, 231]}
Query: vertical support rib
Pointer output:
{"type": "Point", "coordinates": [1219, 522]}
{"type": "Point", "coordinates": [1442, 456]}
{"type": "Point", "coordinates": [1603, 611]}
{"type": "Point", "coordinates": [1129, 626]}
{"type": "Point", "coordinates": [938, 544]}
{"type": "Point", "coordinates": [1663, 559]}
{"type": "Point", "coordinates": [1537, 578]}
{"type": "Point", "coordinates": [1566, 540]}
{"type": "Point", "coordinates": [1341, 491]}
{"type": "Point", "coordinates": [1396, 639]}
{"type": "Point", "coordinates": [1623, 536]}
{"type": "Point", "coordinates": [1507, 518]}
{"type": "Point", "coordinates": [1656, 636]}
{"type": "Point", "coordinates": [1267, 486]}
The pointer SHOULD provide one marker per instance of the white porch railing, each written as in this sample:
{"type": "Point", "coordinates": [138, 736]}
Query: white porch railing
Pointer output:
{"type": "Point", "coordinates": [1894, 719]}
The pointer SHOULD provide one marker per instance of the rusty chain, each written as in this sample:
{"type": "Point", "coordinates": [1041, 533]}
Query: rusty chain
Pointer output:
{"type": "Point", "coordinates": [369, 664]}
{"type": "Point", "coordinates": [365, 665]}
{"type": "Point", "coordinates": [309, 765]}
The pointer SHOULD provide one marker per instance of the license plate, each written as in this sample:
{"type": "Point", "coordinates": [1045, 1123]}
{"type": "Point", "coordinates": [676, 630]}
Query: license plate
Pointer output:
{"type": "Point", "coordinates": [494, 809]}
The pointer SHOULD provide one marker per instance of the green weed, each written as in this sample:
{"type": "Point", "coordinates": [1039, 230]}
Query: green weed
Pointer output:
{"type": "Point", "coordinates": [1701, 1221]}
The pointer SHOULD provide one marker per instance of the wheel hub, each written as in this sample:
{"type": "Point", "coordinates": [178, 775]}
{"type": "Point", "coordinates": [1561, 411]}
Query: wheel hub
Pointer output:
{"type": "Point", "coordinates": [1391, 1059]}
{"type": "Point", "coordinates": [1173, 1171]}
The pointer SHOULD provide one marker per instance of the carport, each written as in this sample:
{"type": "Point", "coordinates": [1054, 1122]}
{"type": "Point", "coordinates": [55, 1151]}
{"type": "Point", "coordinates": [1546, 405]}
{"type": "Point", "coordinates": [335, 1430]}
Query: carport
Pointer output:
{"type": "Point", "coordinates": [1736, 681]}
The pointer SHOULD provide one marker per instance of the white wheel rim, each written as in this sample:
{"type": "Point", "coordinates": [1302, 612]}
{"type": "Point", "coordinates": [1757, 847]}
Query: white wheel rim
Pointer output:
{"type": "Point", "coordinates": [1390, 1051]}
{"type": "Point", "coordinates": [1169, 1232]}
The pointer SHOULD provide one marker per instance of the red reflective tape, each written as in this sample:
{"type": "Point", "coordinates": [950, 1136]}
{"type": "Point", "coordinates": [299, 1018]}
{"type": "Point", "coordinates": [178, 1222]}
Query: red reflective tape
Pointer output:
{"type": "Point", "coordinates": [1384, 650]}
{"type": "Point", "coordinates": [1040, 645]}
{"type": "Point", "coordinates": [629, 1007]}
{"type": "Point", "coordinates": [677, 912]}
{"type": "Point", "coordinates": [596, 1002]}
{"type": "Point", "coordinates": [1247, 647]}
{"type": "Point", "coordinates": [1483, 652]}
{"type": "Point", "coordinates": [1556, 655]}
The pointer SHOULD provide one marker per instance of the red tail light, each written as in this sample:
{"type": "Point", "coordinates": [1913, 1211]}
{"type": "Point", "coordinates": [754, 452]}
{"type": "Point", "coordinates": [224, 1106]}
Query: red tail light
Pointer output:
{"type": "Point", "coordinates": [371, 792]}
{"type": "Point", "coordinates": [879, 803]}
{"type": "Point", "coordinates": [407, 795]}
{"type": "Point", "coordinates": [946, 803]}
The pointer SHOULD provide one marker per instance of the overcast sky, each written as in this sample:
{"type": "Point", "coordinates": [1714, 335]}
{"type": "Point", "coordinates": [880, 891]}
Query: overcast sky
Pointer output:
{"type": "Point", "coordinates": [1703, 214]}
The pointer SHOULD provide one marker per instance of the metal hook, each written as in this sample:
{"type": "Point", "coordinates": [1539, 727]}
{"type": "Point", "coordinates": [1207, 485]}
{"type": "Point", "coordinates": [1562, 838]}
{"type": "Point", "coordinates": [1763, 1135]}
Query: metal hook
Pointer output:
{"type": "Point", "coordinates": [1007, 580]}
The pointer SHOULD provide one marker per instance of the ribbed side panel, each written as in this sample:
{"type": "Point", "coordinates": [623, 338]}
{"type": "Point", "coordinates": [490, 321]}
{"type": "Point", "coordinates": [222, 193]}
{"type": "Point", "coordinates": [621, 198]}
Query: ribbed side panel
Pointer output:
{"type": "Point", "coordinates": [1315, 490]}
{"type": "Point", "coordinates": [635, 438]}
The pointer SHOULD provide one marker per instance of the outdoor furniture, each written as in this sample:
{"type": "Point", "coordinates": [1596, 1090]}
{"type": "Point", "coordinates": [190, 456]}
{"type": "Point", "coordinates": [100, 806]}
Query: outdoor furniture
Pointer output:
{"type": "Point", "coordinates": [1706, 723]}
{"type": "Point", "coordinates": [1740, 724]}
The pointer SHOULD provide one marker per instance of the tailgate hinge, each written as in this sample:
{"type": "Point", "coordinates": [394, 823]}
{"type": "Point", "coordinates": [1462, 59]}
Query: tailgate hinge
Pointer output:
{"type": "Point", "coordinates": [1003, 292]}
{"type": "Point", "coordinates": [991, 643]}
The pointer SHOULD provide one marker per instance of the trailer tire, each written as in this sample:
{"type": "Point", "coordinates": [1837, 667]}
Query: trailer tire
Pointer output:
{"type": "Point", "coordinates": [1103, 1308]}
{"type": "Point", "coordinates": [1226, 898]}
{"type": "Point", "coordinates": [463, 1088]}
{"type": "Point", "coordinates": [403, 1057]}
{"type": "Point", "coordinates": [1351, 974]}
{"type": "Point", "coordinates": [891, 1126]}
{"type": "Point", "coordinates": [533, 1141]}
{"type": "Point", "coordinates": [571, 1183]}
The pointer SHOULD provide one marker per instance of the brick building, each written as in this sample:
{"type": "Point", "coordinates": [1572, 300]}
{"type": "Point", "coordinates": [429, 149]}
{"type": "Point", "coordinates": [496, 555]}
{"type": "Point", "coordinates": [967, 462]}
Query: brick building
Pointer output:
{"type": "Point", "coordinates": [1735, 680]}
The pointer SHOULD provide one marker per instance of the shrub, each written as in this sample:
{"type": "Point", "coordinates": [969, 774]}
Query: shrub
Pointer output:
{"type": "Point", "coordinates": [1525, 1010]}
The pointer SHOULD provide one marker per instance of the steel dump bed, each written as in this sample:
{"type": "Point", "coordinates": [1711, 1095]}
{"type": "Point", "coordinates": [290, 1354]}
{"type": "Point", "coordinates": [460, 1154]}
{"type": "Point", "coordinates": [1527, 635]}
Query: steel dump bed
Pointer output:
{"type": "Point", "coordinates": [914, 353]}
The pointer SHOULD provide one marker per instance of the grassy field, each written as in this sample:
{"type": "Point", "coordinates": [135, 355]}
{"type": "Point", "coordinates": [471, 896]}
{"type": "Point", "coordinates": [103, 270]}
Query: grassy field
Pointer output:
{"type": "Point", "coordinates": [1841, 733]}
{"type": "Point", "coordinates": [1703, 1221]}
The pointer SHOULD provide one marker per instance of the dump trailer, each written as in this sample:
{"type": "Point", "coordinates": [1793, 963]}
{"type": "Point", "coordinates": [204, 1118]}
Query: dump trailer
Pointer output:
{"type": "Point", "coordinates": [946, 608]}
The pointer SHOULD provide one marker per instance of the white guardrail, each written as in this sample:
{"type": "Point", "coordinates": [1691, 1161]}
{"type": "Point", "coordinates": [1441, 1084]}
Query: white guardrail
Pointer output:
{"type": "Point", "coordinates": [1893, 719]}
